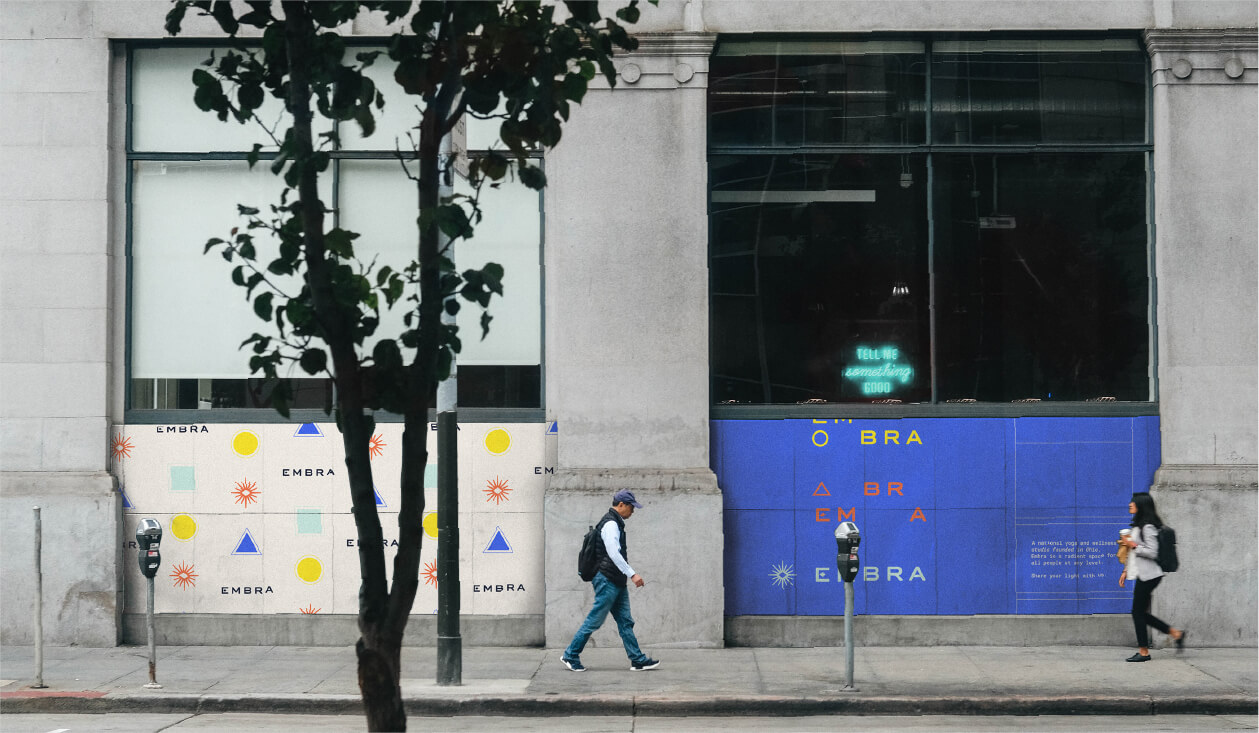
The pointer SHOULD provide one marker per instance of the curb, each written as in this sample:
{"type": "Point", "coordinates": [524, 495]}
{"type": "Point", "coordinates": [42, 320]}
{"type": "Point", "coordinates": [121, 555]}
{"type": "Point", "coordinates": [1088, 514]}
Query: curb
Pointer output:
{"type": "Point", "coordinates": [649, 705]}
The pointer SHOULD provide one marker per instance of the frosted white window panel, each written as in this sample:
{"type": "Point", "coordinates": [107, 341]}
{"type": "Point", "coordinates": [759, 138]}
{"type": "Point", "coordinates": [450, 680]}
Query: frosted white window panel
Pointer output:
{"type": "Point", "coordinates": [165, 119]}
{"type": "Point", "coordinates": [380, 203]}
{"type": "Point", "coordinates": [188, 318]}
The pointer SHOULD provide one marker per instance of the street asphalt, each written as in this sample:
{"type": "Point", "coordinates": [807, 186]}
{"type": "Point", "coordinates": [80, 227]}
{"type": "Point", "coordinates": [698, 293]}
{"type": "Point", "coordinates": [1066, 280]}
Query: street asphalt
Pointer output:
{"type": "Point", "coordinates": [497, 681]}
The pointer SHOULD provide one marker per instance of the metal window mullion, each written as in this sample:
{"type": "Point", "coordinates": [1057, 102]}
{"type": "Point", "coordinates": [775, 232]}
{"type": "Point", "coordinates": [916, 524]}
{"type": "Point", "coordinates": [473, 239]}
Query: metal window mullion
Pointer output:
{"type": "Point", "coordinates": [931, 229]}
{"type": "Point", "coordinates": [127, 223]}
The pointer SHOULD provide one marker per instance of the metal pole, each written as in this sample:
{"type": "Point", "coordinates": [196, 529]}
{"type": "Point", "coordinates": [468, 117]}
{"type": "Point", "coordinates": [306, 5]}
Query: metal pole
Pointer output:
{"type": "Point", "coordinates": [449, 642]}
{"type": "Point", "coordinates": [152, 683]}
{"type": "Point", "coordinates": [848, 593]}
{"type": "Point", "coordinates": [39, 605]}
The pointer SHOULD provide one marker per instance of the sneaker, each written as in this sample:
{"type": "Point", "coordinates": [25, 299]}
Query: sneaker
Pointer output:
{"type": "Point", "coordinates": [644, 663]}
{"type": "Point", "coordinates": [1138, 657]}
{"type": "Point", "coordinates": [573, 664]}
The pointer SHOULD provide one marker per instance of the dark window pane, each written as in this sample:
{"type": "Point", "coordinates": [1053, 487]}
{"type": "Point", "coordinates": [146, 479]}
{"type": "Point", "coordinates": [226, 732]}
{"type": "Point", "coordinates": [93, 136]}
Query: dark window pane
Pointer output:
{"type": "Point", "coordinates": [208, 394]}
{"type": "Point", "coordinates": [819, 278]}
{"type": "Point", "coordinates": [500, 386]}
{"type": "Point", "coordinates": [1041, 277]}
{"type": "Point", "coordinates": [1038, 91]}
{"type": "Point", "coordinates": [816, 93]}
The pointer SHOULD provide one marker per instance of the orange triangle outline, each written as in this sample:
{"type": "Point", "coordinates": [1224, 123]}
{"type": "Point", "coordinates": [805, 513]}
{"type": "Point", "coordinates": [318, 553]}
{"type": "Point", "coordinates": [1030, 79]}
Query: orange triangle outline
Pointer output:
{"type": "Point", "coordinates": [821, 487]}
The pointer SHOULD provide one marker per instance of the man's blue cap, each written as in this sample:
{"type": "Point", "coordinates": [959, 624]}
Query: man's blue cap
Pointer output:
{"type": "Point", "coordinates": [624, 496]}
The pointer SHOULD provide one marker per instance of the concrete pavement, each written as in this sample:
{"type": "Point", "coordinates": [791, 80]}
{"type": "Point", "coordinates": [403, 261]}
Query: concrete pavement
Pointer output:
{"type": "Point", "coordinates": [956, 680]}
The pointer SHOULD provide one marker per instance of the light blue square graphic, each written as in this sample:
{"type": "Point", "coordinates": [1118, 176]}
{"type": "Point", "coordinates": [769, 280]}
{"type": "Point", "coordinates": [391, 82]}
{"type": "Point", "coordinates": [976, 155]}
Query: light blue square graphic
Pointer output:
{"type": "Point", "coordinates": [183, 478]}
{"type": "Point", "coordinates": [309, 520]}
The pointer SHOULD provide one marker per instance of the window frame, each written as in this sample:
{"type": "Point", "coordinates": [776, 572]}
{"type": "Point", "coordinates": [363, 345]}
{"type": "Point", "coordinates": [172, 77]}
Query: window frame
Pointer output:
{"type": "Point", "coordinates": [142, 416]}
{"type": "Point", "coordinates": [824, 412]}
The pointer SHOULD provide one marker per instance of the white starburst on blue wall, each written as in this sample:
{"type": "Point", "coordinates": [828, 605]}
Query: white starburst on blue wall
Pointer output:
{"type": "Point", "coordinates": [783, 575]}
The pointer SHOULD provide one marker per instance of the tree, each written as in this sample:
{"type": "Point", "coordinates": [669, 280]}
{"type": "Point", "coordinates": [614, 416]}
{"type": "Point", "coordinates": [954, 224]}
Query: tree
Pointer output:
{"type": "Point", "coordinates": [525, 63]}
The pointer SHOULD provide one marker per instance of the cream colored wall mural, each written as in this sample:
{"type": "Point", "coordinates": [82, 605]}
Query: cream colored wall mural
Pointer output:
{"type": "Point", "coordinates": [257, 516]}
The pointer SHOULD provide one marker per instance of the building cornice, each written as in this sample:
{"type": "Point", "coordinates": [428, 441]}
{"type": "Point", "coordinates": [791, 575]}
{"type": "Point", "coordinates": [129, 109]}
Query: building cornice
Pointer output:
{"type": "Point", "coordinates": [1203, 55]}
{"type": "Point", "coordinates": [679, 43]}
{"type": "Point", "coordinates": [1201, 40]}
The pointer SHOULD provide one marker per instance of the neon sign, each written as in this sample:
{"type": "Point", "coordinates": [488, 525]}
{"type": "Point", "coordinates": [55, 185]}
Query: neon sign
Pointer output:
{"type": "Point", "coordinates": [877, 370]}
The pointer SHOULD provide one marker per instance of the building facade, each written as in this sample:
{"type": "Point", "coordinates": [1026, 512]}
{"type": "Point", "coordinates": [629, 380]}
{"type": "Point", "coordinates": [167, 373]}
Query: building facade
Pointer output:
{"type": "Point", "coordinates": [965, 273]}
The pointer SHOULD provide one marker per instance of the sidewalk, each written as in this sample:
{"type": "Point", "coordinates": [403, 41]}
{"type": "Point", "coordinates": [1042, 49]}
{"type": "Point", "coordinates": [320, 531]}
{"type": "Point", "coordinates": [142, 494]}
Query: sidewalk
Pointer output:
{"type": "Point", "coordinates": [735, 681]}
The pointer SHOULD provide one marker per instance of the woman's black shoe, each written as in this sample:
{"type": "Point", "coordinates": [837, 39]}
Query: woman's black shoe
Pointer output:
{"type": "Point", "coordinates": [1138, 657]}
{"type": "Point", "coordinates": [1180, 641]}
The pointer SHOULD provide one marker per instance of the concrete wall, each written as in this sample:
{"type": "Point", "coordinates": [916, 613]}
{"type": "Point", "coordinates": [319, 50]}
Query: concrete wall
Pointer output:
{"type": "Point", "coordinates": [1205, 154]}
{"type": "Point", "coordinates": [626, 251]}
{"type": "Point", "coordinates": [55, 322]}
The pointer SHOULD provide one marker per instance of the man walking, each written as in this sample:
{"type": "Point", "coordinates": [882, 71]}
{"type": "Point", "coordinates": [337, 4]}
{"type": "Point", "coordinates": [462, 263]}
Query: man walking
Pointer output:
{"type": "Point", "coordinates": [611, 589]}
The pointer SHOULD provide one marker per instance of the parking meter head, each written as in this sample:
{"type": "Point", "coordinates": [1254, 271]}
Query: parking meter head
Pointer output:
{"type": "Point", "coordinates": [847, 535]}
{"type": "Point", "coordinates": [148, 531]}
{"type": "Point", "coordinates": [149, 542]}
{"type": "Point", "coordinates": [847, 540]}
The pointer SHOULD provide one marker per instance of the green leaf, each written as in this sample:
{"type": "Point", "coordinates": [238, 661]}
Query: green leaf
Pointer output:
{"type": "Point", "coordinates": [250, 97]}
{"type": "Point", "coordinates": [262, 306]}
{"type": "Point", "coordinates": [485, 324]}
{"type": "Point", "coordinates": [339, 242]}
{"type": "Point", "coordinates": [533, 177]}
{"type": "Point", "coordinates": [452, 306]}
{"type": "Point", "coordinates": [222, 12]}
{"type": "Point", "coordinates": [574, 87]}
{"type": "Point", "coordinates": [313, 361]}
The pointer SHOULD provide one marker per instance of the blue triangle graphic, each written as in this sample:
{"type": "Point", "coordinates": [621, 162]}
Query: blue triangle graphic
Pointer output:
{"type": "Point", "coordinates": [554, 429]}
{"type": "Point", "coordinates": [308, 430]}
{"type": "Point", "coordinates": [379, 501]}
{"type": "Point", "coordinates": [246, 546]}
{"type": "Point", "coordinates": [126, 503]}
{"type": "Point", "coordinates": [499, 543]}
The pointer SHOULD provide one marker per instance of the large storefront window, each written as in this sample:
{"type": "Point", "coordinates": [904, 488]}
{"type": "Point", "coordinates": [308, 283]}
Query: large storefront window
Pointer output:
{"type": "Point", "coordinates": [188, 174]}
{"type": "Point", "coordinates": [993, 250]}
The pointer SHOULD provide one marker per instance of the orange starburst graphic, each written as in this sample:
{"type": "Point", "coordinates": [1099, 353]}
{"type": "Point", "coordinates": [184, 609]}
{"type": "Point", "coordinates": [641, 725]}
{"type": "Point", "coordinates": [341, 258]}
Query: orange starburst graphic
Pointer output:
{"type": "Point", "coordinates": [246, 492]}
{"type": "Point", "coordinates": [310, 609]}
{"type": "Point", "coordinates": [183, 576]}
{"type": "Point", "coordinates": [376, 445]}
{"type": "Point", "coordinates": [496, 490]}
{"type": "Point", "coordinates": [121, 447]}
{"type": "Point", "coordinates": [430, 573]}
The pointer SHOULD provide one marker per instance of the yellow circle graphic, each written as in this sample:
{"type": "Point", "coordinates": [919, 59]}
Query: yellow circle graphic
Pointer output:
{"type": "Point", "coordinates": [825, 438]}
{"type": "Point", "coordinates": [498, 441]}
{"type": "Point", "coordinates": [245, 443]}
{"type": "Point", "coordinates": [183, 527]}
{"type": "Point", "coordinates": [309, 569]}
{"type": "Point", "coordinates": [430, 524]}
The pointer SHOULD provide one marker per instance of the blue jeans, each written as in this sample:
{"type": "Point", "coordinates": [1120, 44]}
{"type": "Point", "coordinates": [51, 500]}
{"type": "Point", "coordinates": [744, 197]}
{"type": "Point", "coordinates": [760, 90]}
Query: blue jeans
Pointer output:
{"type": "Point", "coordinates": [608, 597]}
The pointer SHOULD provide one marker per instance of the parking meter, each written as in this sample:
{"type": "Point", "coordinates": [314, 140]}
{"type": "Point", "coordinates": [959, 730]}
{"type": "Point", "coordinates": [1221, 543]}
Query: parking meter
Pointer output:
{"type": "Point", "coordinates": [848, 538]}
{"type": "Point", "coordinates": [149, 540]}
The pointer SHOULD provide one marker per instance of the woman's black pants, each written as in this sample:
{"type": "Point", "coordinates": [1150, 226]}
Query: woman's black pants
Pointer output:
{"type": "Point", "coordinates": [1141, 616]}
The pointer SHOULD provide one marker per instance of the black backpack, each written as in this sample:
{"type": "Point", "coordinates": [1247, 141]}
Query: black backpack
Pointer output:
{"type": "Point", "coordinates": [589, 556]}
{"type": "Point", "coordinates": [1167, 559]}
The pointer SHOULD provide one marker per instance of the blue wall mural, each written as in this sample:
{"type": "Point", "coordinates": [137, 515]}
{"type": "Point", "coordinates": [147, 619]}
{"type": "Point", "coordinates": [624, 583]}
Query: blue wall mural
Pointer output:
{"type": "Point", "coordinates": [957, 516]}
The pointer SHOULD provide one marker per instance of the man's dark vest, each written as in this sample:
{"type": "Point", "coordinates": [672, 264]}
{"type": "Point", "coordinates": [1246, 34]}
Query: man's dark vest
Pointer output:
{"type": "Point", "coordinates": [606, 566]}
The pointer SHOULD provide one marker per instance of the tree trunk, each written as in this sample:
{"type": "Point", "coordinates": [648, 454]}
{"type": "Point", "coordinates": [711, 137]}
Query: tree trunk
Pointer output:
{"type": "Point", "coordinates": [380, 639]}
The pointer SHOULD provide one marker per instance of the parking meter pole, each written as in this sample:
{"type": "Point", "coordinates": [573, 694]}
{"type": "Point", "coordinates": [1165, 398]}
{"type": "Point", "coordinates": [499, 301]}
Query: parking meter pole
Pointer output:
{"type": "Point", "coordinates": [848, 594]}
{"type": "Point", "coordinates": [149, 543]}
{"type": "Point", "coordinates": [39, 605]}
{"type": "Point", "coordinates": [847, 543]}
{"type": "Point", "coordinates": [152, 683]}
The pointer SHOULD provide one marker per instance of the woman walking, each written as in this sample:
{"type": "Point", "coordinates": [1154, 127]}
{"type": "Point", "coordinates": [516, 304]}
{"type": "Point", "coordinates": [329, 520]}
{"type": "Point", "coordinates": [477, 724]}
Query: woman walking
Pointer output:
{"type": "Point", "coordinates": [1143, 568]}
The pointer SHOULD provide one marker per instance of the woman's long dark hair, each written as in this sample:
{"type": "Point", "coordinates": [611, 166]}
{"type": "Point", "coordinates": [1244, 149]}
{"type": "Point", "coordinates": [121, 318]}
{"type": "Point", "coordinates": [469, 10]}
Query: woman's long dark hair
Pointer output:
{"type": "Point", "coordinates": [1146, 513]}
